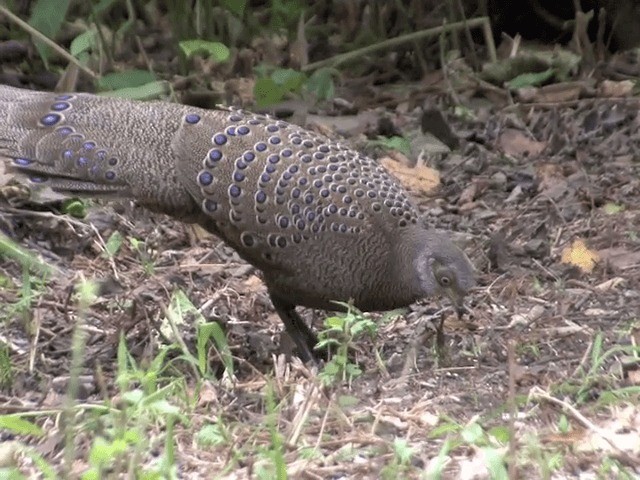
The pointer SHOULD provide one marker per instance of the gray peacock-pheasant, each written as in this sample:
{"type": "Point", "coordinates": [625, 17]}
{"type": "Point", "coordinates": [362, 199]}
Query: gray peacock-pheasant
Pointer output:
{"type": "Point", "coordinates": [322, 222]}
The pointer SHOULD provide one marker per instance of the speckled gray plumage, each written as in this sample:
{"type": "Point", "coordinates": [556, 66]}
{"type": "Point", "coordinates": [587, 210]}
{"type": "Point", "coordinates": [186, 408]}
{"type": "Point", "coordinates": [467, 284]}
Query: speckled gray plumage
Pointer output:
{"type": "Point", "coordinates": [322, 221]}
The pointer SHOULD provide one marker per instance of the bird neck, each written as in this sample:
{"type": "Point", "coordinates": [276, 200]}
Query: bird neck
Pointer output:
{"type": "Point", "coordinates": [407, 251]}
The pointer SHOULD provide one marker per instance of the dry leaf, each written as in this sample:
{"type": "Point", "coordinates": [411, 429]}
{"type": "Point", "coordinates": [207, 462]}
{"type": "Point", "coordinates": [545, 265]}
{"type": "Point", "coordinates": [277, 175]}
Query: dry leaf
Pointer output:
{"type": "Point", "coordinates": [515, 143]}
{"type": "Point", "coordinates": [208, 396]}
{"type": "Point", "coordinates": [9, 451]}
{"type": "Point", "coordinates": [549, 174]}
{"type": "Point", "coordinates": [253, 284]}
{"type": "Point", "coordinates": [610, 284]}
{"type": "Point", "coordinates": [468, 194]}
{"type": "Point", "coordinates": [622, 432]}
{"type": "Point", "coordinates": [612, 88]}
{"type": "Point", "coordinates": [559, 92]}
{"type": "Point", "coordinates": [419, 179]}
{"type": "Point", "coordinates": [620, 257]}
{"type": "Point", "coordinates": [428, 419]}
{"type": "Point", "coordinates": [242, 88]}
{"type": "Point", "coordinates": [580, 256]}
{"type": "Point", "coordinates": [198, 233]}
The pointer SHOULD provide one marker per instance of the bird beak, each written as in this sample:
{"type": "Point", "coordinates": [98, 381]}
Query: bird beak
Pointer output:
{"type": "Point", "coordinates": [457, 299]}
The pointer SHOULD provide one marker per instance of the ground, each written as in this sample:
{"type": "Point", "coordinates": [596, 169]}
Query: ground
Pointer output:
{"type": "Point", "coordinates": [543, 368]}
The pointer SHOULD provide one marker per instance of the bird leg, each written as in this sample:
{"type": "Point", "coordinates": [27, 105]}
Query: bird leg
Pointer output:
{"type": "Point", "coordinates": [297, 329]}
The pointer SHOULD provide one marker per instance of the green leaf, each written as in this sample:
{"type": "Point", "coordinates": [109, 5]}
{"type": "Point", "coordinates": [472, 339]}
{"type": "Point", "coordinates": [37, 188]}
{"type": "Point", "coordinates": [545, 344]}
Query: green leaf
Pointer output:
{"type": "Point", "coordinates": [133, 396]}
{"type": "Point", "coordinates": [500, 433]}
{"type": "Point", "coordinates": [530, 79]}
{"type": "Point", "coordinates": [19, 426]}
{"type": "Point", "coordinates": [113, 245]}
{"type": "Point", "coordinates": [103, 453]}
{"type": "Point", "coordinates": [153, 475]}
{"type": "Point", "coordinates": [352, 370]}
{"type": "Point", "coordinates": [564, 63]}
{"type": "Point", "coordinates": [122, 358]}
{"type": "Point", "coordinates": [11, 474]}
{"type": "Point", "coordinates": [399, 144]}
{"type": "Point", "coordinates": [437, 465]}
{"type": "Point", "coordinates": [324, 343]}
{"type": "Point", "coordinates": [165, 408]}
{"type": "Point", "coordinates": [103, 6]}
{"type": "Point", "coordinates": [563, 424]}
{"type": "Point", "coordinates": [335, 323]}
{"type": "Point", "coordinates": [363, 325]}
{"type": "Point", "coordinates": [237, 7]}
{"type": "Point", "coordinates": [211, 435]}
{"type": "Point", "coordinates": [611, 208]}
{"type": "Point", "coordinates": [23, 256]}
{"type": "Point", "coordinates": [272, 89]}
{"type": "Point", "coordinates": [133, 437]}
{"type": "Point", "coordinates": [100, 453]}
{"type": "Point", "coordinates": [289, 79]}
{"type": "Point", "coordinates": [472, 433]}
{"type": "Point", "coordinates": [91, 474]}
{"type": "Point", "coordinates": [76, 208]}
{"type": "Point", "coordinates": [321, 83]}
{"type": "Point", "coordinates": [86, 292]}
{"type": "Point", "coordinates": [213, 330]}
{"type": "Point", "coordinates": [331, 368]}
{"type": "Point", "coordinates": [443, 430]}
{"type": "Point", "coordinates": [47, 17]}
{"type": "Point", "coordinates": [126, 79]}
{"type": "Point", "coordinates": [402, 450]}
{"type": "Point", "coordinates": [85, 42]}
{"type": "Point", "coordinates": [46, 470]}
{"type": "Point", "coordinates": [6, 282]}
{"type": "Point", "coordinates": [495, 464]}
{"type": "Point", "coordinates": [147, 91]}
{"type": "Point", "coordinates": [214, 50]}
{"type": "Point", "coordinates": [348, 401]}
{"type": "Point", "coordinates": [285, 13]}
{"type": "Point", "coordinates": [267, 92]}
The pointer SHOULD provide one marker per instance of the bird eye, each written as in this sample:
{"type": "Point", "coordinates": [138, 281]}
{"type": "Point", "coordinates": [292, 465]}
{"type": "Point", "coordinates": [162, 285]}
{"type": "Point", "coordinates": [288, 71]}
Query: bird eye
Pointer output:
{"type": "Point", "coordinates": [445, 281]}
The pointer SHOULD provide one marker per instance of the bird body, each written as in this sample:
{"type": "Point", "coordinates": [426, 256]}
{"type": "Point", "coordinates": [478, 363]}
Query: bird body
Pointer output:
{"type": "Point", "coordinates": [322, 221]}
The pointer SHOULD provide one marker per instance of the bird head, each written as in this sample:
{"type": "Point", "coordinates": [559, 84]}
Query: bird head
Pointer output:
{"type": "Point", "coordinates": [443, 268]}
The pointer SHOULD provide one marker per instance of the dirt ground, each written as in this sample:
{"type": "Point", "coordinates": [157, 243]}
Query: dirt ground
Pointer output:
{"type": "Point", "coordinates": [544, 197]}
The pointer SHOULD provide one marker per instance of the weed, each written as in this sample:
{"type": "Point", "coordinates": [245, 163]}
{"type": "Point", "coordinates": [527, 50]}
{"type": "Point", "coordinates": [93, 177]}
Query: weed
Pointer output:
{"type": "Point", "coordinates": [400, 462]}
{"type": "Point", "coordinates": [140, 248]}
{"type": "Point", "coordinates": [340, 336]}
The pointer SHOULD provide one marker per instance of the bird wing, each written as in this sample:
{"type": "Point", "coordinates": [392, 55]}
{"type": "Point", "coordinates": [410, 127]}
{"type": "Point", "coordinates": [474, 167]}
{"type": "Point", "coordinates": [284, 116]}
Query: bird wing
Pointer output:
{"type": "Point", "coordinates": [278, 185]}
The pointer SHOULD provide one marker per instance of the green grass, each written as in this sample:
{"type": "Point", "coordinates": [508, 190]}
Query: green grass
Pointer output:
{"type": "Point", "coordinates": [153, 411]}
